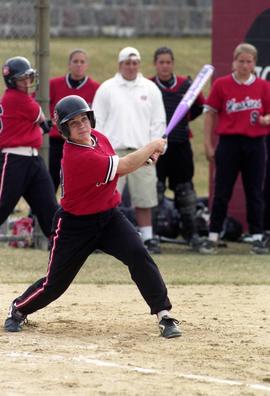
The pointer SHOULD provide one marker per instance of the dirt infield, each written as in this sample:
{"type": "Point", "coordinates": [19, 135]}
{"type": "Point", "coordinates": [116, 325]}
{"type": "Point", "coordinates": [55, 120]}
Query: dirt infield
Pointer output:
{"type": "Point", "coordinates": [100, 340]}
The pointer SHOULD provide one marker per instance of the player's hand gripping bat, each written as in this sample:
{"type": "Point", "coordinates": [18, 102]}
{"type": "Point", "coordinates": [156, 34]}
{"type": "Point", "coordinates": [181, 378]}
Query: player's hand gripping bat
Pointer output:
{"type": "Point", "coordinates": [188, 99]}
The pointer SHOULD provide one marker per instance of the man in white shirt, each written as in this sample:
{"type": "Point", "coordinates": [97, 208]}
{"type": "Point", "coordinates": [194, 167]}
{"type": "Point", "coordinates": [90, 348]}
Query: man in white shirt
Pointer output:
{"type": "Point", "coordinates": [129, 110]}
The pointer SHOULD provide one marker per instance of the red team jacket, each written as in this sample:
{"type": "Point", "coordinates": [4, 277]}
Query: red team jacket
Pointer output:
{"type": "Point", "coordinates": [60, 87]}
{"type": "Point", "coordinates": [18, 115]}
{"type": "Point", "coordinates": [239, 106]}
{"type": "Point", "coordinates": [88, 177]}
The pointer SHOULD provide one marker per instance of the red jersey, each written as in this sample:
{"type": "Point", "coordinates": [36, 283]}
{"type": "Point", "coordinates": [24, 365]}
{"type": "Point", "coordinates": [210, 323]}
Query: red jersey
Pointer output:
{"type": "Point", "coordinates": [19, 113]}
{"type": "Point", "coordinates": [89, 177]}
{"type": "Point", "coordinates": [239, 106]}
{"type": "Point", "coordinates": [60, 87]}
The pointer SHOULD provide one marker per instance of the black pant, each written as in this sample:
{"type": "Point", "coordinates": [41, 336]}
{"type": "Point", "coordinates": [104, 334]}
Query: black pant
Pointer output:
{"type": "Point", "coordinates": [239, 154]}
{"type": "Point", "coordinates": [176, 164]}
{"type": "Point", "coordinates": [75, 238]}
{"type": "Point", "coordinates": [27, 177]}
{"type": "Point", "coordinates": [55, 156]}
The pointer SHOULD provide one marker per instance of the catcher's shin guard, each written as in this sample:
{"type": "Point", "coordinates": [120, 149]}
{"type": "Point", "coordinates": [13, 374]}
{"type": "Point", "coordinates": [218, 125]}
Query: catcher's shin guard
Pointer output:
{"type": "Point", "coordinates": [160, 191]}
{"type": "Point", "coordinates": [185, 202]}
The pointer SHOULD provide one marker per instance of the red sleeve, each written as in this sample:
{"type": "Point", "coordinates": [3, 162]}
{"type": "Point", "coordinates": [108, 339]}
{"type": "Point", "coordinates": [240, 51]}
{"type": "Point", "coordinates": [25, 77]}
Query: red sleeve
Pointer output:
{"type": "Point", "coordinates": [215, 99]}
{"type": "Point", "coordinates": [29, 109]}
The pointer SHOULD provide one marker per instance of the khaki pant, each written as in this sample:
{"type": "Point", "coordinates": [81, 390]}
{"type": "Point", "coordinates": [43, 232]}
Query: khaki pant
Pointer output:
{"type": "Point", "coordinates": [142, 184]}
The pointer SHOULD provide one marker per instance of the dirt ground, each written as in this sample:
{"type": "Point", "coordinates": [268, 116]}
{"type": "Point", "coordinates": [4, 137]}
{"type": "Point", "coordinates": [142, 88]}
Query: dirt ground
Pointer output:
{"type": "Point", "coordinates": [101, 340]}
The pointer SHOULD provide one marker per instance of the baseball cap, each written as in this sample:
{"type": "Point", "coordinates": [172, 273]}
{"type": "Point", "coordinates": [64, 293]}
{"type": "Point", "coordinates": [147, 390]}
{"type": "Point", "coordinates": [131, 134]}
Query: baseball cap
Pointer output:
{"type": "Point", "coordinates": [128, 53]}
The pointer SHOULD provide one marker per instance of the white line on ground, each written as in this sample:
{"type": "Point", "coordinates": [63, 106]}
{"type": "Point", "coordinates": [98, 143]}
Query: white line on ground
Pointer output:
{"type": "Point", "coordinates": [103, 363]}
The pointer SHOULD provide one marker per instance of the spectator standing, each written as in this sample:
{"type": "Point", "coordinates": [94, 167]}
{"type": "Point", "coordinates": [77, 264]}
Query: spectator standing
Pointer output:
{"type": "Point", "coordinates": [75, 82]}
{"type": "Point", "coordinates": [129, 109]}
{"type": "Point", "coordinates": [89, 219]}
{"type": "Point", "coordinates": [177, 164]}
{"type": "Point", "coordinates": [238, 109]}
{"type": "Point", "coordinates": [23, 172]}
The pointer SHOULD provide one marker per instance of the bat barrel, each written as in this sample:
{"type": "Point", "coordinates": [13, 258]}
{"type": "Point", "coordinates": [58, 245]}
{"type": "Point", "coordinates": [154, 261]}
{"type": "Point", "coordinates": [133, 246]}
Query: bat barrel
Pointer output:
{"type": "Point", "coordinates": [190, 97]}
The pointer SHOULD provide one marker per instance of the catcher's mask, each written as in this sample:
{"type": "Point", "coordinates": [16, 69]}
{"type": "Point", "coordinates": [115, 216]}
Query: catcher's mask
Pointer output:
{"type": "Point", "coordinates": [16, 68]}
{"type": "Point", "coordinates": [69, 107]}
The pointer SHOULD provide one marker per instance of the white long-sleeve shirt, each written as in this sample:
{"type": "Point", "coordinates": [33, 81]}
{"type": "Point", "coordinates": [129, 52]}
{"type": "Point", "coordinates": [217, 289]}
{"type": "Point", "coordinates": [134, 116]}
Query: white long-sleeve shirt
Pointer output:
{"type": "Point", "coordinates": [129, 113]}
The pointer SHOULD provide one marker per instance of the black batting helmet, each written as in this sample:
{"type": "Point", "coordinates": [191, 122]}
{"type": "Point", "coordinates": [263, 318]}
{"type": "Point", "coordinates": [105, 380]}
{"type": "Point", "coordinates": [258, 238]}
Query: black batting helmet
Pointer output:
{"type": "Point", "coordinates": [69, 107]}
{"type": "Point", "coordinates": [15, 68]}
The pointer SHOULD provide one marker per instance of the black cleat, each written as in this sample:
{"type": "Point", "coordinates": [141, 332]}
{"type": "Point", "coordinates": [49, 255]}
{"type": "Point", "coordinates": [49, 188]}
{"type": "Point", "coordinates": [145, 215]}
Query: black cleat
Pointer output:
{"type": "Point", "coordinates": [169, 327]}
{"type": "Point", "coordinates": [15, 320]}
{"type": "Point", "coordinates": [207, 247]}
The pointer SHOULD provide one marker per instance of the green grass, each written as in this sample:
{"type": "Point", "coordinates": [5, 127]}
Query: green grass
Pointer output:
{"type": "Point", "coordinates": [233, 265]}
{"type": "Point", "coordinates": [190, 55]}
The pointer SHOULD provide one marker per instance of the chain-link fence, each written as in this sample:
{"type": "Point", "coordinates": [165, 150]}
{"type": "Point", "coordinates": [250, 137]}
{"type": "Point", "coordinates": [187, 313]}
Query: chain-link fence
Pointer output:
{"type": "Point", "coordinates": [15, 41]}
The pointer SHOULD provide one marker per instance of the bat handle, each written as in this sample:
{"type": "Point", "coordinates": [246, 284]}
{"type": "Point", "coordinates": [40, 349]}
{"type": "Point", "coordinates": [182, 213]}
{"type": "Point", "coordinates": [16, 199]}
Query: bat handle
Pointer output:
{"type": "Point", "coordinates": [150, 160]}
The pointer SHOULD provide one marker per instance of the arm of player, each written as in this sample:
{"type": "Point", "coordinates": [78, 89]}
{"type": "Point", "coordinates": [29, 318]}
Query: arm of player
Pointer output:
{"type": "Point", "coordinates": [138, 158]}
{"type": "Point", "coordinates": [45, 124]}
{"type": "Point", "coordinates": [210, 117]}
{"type": "Point", "coordinates": [197, 108]}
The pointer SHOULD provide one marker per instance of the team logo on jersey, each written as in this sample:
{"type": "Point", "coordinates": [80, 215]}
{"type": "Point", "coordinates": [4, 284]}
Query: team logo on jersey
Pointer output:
{"type": "Point", "coordinates": [232, 106]}
{"type": "Point", "coordinates": [254, 115]}
{"type": "Point", "coordinates": [6, 70]}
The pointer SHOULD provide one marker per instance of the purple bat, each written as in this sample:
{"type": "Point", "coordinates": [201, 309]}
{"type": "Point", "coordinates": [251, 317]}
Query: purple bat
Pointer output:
{"type": "Point", "coordinates": [190, 97]}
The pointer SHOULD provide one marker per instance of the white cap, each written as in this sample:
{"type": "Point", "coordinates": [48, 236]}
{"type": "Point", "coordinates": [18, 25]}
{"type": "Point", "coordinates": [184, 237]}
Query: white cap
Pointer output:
{"type": "Point", "coordinates": [129, 53]}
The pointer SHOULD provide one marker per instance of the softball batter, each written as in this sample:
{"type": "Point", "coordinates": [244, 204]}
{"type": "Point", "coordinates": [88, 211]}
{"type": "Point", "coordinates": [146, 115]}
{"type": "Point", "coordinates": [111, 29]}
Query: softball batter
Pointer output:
{"type": "Point", "coordinates": [89, 219]}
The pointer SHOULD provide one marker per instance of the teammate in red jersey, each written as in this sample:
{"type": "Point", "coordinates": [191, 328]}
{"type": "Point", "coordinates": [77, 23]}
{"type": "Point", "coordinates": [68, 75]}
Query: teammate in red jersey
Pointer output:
{"type": "Point", "coordinates": [89, 219]}
{"type": "Point", "coordinates": [238, 109]}
{"type": "Point", "coordinates": [75, 82]}
{"type": "Point", "coordinates": [22, 171]}
{"type": "Point", "coordinates": [170, 166]}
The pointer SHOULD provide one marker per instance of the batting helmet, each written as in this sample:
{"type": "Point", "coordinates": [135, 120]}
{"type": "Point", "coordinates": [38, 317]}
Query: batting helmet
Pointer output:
{"type": "Point", "coordinates": [69, 107]}
{"type": "Point", "coordinates": [15, 68]}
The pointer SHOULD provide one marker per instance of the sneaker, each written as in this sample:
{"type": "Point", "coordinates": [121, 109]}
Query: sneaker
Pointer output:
{"type": "Point", "coordinates": [152, 245]}
{"type": "Point", "coordinates": [199, 245]}
{"type": "Point", "coordinates": [169, 327]}
{"type": "Point", "coordinates": [15, 320]}
{"type": "Point", "coordinates": [207, 247]}
{"type": "Point", "coordinates": [261, 247]}
{"type": "Point", "coordinates": [249, 238]}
